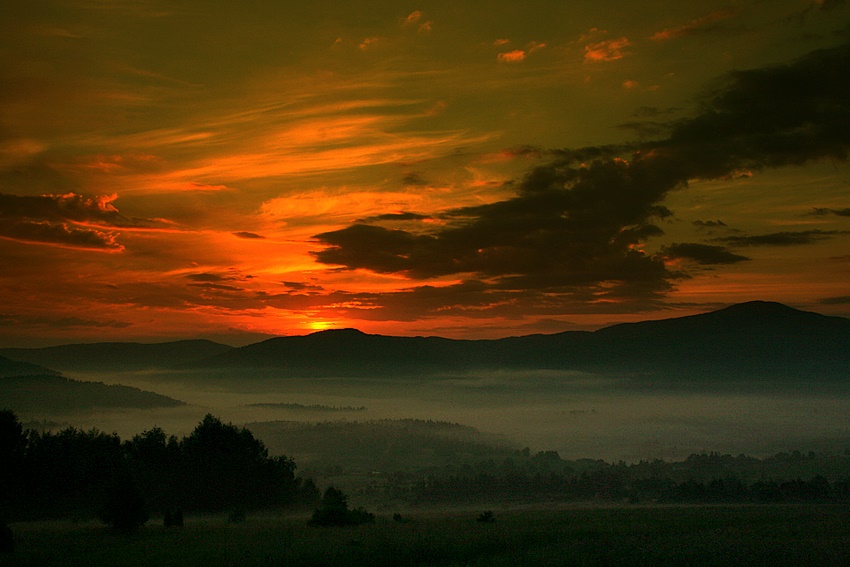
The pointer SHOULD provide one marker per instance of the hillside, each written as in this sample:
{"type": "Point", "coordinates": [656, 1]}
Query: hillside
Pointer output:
{"type": "Point", "coordinates": [57, 394]}
{"type": "Point", "coordinates": [16, 368]}
{"type": "Point", "coordinates": [117, 356]}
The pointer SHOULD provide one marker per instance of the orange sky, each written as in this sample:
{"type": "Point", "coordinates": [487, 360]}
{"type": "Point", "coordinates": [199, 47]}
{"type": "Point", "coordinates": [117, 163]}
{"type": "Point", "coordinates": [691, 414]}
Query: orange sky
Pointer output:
{"type": "Point", "coordinates": [234, 171]}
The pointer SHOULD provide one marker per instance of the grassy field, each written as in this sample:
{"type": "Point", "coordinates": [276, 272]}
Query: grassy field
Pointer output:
{"type": "Point", "coordinates": [692, 535]}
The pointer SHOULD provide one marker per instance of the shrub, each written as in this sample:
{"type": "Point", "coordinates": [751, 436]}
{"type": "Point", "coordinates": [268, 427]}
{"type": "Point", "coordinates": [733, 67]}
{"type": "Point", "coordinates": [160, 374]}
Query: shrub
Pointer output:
{"type": "Point", "coordinates": [237, 516]}
{"type": "Point", "coordinates": [125, 506]}
{"type": "Point", "coordinates": [333, 511]}
{"type": "Point", "coordinates": [7, 539]}
{"type": "Point", "coordinates": [173, 518]}
{"type": "Point", "coordinates": [486, 517]}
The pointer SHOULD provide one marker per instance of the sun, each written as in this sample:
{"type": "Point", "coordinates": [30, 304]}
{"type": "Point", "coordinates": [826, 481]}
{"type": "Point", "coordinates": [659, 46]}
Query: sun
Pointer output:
{"type": "Point", "coordinates": [320, 325]}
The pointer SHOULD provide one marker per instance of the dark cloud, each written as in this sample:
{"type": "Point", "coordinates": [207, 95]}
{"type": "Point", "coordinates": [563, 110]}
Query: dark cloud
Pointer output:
{"type": "Point", "coordinates": [704, 254]}
{"type": "Point", "coordinates": [771, 117]}
{"type": "Point", "coordinates": [821, 211]}
{"type": "Point", "coordinates": [787, 238]}
{"type": "Point", "coordinates": [60, 322]}
{"type": "Point", "coordinates": [566, 227]}
{"type": "Point", "coordinates": [839, 300]}
{"type": "Point", "coordinates": [574, 229]}
{"type": "Point", "coordinates": [67, 220]}
{"type": "Point", "coordinates": [248, 235]}
{"type": "Point", "coordinates": [405, 216]}
{"type": "Point", "coordinates": [301, 286]}
{"type": "Point", "coordinates": [206, 277]}
{"type": "Point", "coordinates": [645, 128]}
{"type": "Point", "coordinates": [709, 224]}
{"type": "Point", "coordinates": [589, 154]}
{"type": "Point", "coordinates": [70, 207]}
{"type": "Point", "coordinates": [60, 234]}
{"type": "Point", "coordinates": [414, 179]}
{"type": "Point", "coordinates": [216, 287]}
{"type": "Point", "coordinates": [654, 111]}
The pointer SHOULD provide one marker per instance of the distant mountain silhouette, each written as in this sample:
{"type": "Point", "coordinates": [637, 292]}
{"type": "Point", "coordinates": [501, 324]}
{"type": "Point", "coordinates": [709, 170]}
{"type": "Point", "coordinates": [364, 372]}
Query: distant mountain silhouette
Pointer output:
{"type": "Point", "coordinates": [345, 352]}
{"type": "Point", "coordinates": [116, 356]}
{"type": "Point", "coordinates": [59, 394]}
{"type": "Point", "coordinates": [756, 337]}
{"type": "Point", "coordinates": [16, 368]}
{"type": "Point", "coordinates": [750, 339]}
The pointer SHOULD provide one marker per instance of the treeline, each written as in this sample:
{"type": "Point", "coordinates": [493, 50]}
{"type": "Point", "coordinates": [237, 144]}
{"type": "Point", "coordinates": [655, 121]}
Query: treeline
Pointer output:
{"type": "Point", "coordinates": [311, 407]}
{"type": "Point", "coordinates": [81, 474]}
{"type": "Point", "coordinates": [332, 448]}
{"type": "Point", "coordinates": [608, 486]}
{"type": "Point", "coordinates": [701, 478]}
{"type": "Point", "coordinates": [58, 394]}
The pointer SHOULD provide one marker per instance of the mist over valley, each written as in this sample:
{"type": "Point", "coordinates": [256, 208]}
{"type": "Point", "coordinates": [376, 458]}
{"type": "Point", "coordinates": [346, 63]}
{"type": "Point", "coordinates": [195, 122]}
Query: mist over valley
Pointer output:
{"type": "Point", "coordinates": [756, 378]}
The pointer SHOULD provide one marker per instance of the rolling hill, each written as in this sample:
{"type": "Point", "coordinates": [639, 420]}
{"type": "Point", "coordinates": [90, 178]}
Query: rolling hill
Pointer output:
{"type": "Point", "coordinates": [116, 355]}
{"type": "Point", "coordinates": [10, 367]}
{"type": "Point", "coordinates": [56, 394]}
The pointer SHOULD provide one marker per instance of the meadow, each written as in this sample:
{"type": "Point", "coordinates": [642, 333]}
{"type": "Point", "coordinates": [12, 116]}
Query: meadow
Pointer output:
{"type": "Point", "coordinates": [754, 535]}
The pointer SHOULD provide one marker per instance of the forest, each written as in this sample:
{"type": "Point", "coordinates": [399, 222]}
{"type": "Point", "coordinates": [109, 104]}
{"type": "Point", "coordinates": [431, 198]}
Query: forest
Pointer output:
{"type": "Point", "coordinates": [83, 474]}
{"type": "Point", "coordinates": [220, 467]}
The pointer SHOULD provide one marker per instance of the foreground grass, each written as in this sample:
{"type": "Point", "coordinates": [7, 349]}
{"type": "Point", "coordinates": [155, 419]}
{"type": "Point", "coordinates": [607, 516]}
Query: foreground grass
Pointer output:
{"type": "Point", "coordinates": [719, 535]}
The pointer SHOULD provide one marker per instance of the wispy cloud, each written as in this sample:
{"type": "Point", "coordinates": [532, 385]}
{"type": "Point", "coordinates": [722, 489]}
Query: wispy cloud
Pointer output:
{"type": "Point", "coordinates": [608, 50]}
{"type": "Point", "coordinates": [705, 254]}
{"type": "Point", "coordinates": [68, 220]}
{"type": "Point", "coordinates": [786, 238]}
{"type": "Point", "coordinates": [822, 211]}
{"type": "Point", "coordinates": [702, 25]}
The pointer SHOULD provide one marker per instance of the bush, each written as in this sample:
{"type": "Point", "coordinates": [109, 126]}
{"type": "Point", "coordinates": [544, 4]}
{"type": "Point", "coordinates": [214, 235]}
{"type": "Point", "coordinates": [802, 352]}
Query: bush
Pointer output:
{"type": "Point", "coordinates": [237, 516]}
{"type": "Point", "coordinates": [7, 539]}
{"type": "Point", "coordinates": [333, 511]}
{"type": "Point", "coordinates": [125, 506]}
{"type": "Point", "coordinates": [486, 517]}
{"type": "Point", "coordinates": [173, 518]}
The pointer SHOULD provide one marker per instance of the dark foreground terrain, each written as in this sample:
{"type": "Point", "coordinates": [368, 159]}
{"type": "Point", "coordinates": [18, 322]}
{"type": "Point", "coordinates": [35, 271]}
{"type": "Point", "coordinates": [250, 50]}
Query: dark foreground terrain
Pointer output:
{"type": "Point", "coordinates": [671, 535]}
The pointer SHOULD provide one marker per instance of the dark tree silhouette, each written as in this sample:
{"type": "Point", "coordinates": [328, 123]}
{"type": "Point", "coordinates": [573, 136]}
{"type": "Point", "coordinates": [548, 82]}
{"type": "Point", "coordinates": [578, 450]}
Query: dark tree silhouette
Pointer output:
{"type": "Point", "coordinates": [71, 472]}
{"type": "Point", "coordinates": [173, 517]}
{"type": "Point", "coordinates": [125, 506]}
{"type": "Point", "coordinates": [155, 461]}
{"type": "Point", "coordinates": [13, 445]}
{"type": "Point", "coordinates": [486, 517]}
{"type": "Point", "coordinates": [333, 511]}
{"type": "Point", "coordinates": [7, 539]}
{"type": "Point", "coordinates": [226, 467]}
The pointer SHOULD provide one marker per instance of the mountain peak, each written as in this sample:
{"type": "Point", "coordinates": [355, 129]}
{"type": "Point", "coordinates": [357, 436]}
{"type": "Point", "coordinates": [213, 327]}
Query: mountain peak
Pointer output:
{"type": "Point", "coordinates": [760, 308]}
{"type": "Point", "coordinates": [341, 333]}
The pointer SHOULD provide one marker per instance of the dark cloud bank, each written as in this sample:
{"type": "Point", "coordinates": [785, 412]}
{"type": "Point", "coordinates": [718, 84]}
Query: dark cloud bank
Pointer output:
{"type": "Point", "coordinates": [67, 220]}
{"type": "Point", "coordinates": [575, 228]}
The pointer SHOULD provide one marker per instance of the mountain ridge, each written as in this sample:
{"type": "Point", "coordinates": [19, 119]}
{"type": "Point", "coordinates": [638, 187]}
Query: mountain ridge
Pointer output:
{"type": "Point", "coordinates": [753, 338]}
{"type": "Point", "coordinates": [103, 356]}
{"type": "Point", "coordinates": [757, 338]}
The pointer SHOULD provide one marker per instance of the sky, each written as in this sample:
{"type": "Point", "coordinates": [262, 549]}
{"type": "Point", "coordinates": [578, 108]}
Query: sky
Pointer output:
{"type": "Point", "coordinates": [233, 171]}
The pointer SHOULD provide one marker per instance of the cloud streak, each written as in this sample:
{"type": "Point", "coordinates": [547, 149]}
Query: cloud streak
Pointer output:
{"type": "Point", "coordinates": [787, 238]}
{"type": "Point", "coordinates": [69, 219]}
{"type": "Point", "coordinates": [608, 50]}
{"type": "Point", "coordinates": [706, 24]}
{"type": "Point", "coordinates": [704, 254]}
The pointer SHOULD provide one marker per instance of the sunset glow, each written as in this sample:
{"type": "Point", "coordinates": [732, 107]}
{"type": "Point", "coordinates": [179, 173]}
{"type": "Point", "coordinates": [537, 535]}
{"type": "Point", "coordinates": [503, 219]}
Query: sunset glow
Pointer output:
{"type": "Point", "coordinates": [236, 171]}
